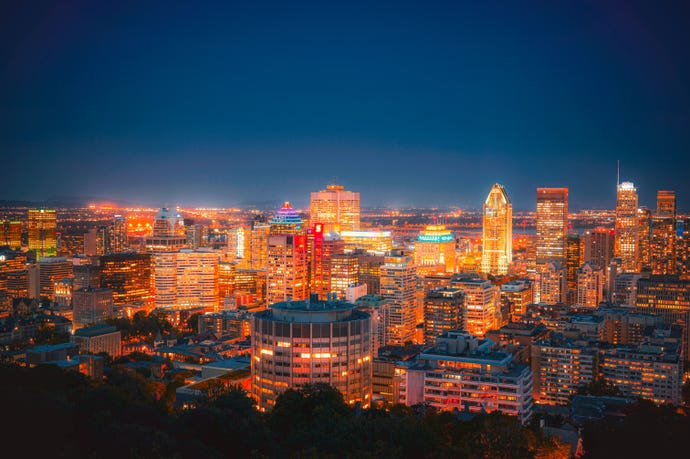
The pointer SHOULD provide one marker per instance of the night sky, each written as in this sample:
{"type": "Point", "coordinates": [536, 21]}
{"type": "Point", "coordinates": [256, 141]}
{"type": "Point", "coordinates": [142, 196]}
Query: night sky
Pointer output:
{"type": "Point", "coordinates": [410, 103]}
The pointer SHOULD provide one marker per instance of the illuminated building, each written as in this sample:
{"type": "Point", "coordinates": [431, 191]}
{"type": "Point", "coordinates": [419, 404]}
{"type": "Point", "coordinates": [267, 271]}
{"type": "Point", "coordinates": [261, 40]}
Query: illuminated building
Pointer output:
{"type": "Point", "coordinates": [517, 294]}
{"type": "Point", "coordinates": [186, 279]}
{"type": "Point", "coordinates": [398, 286]}
{"type": "Point", "coordinates": [97, 339]}
{"type": "Point", "coordinates": [355, 291]}
{"type": "Point", "coordinates": [560, 368]}
{"type": "Point", "coordinates": [668, 296]}
{"type": "Point", "coordinates": [344, 273]}
{"type": "Point", "coordinates": [481, 304]}
{"type": "Point", "coordinates": [119, 241]}
{"type": "Point", "coordinates": [573, 260]}
{"type": "Point", "coordinates": [324, 247]}
{"type": "Point", "coordinates": [497, 232]}
{"type": "Point", "coordinates": [336, 208]}
{"type": "Point", "coordinates": [239, 250]}
{"type": "Point", "coordinates": [624, 326]}
{"type": "Point", "coordinates": [684, 247]}
{"type": "Point", "coordinates": [590, 285]}
{"type": "Point", "coordinates": [307, 342]}
{"type": "Point", "coordinates": [627, 228]}
{"type": "Point", "coordinates": [196, 236]}
{"type": "Point", "coordinates": [251, 281]}
{"type": "Point", "coordinates": [70, 243]}
{"type": "Point", "coordinates": [63, 291]}
{"type": "Point", "coordinates": [552, 225]}
{"type": "Point", "coordinates": [644, 237]}
{"type": "Point", "coordinates": [434, 250]}
{"type": "Point", "coordinates": [648, 370]}
{"type": "Point", "coordinates": [462, 372]}
{"type": "Point", "coordinates": [287, 270]}
{"type": "Point", "coordinates": [443, 311]}
{"type": "Point", "coordinates": [598, 246]}
{"type": "Point", "coordinates": [42, 226]}
{"type": "Point", "coordinates": [379, 310]}
{"type": "Point", "coordinates": [234, 323]}
{"type": "Point", "coordinates": [374, 242]}
{"type": "Point", "coordinates": [662, 251]}
{"type": "Point", "coordinates": [226, 283]}
{"type": "Point", "coordinates": [51, 270]}
{"type": "Point", "coordinates": [97, 241]}
{"type": "Point", "coordinates": [625, 289]}
{"type": "Point", "coordinates": [370, 271]}
{"type": "Point", "coordinates": [168, 232]}
{"type": "Point", "coordinates": [86, 275]}
{"type": "Point", "coordinates": [258, 244]}
{"type": "Point", "coordinates": [129, 276]}
{"type": "Point", "coordinates": [553, 283]}
{"type": "Point", "coordinates": [91, 306]}
{"type": "Point", "coordinates": [11, 234]}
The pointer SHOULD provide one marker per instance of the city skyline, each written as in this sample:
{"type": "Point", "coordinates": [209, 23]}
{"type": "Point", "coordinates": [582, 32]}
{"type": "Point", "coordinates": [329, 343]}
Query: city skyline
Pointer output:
{"type": "Point", "coordinates": [414, 105]}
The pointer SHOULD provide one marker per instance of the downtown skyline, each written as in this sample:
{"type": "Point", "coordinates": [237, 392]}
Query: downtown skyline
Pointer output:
{"type": "Point", "coordinates": [411, 105]}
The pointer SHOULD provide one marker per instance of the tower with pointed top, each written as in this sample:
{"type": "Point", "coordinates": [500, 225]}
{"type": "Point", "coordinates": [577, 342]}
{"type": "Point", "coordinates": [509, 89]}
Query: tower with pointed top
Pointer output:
{"type": "Point", "coordinates": [497, 230]}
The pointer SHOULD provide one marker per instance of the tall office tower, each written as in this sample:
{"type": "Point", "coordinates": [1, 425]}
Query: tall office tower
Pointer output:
{"type": "Point", "coordinates": [168, 232]}
{"type": "Point", "coordinates": [287, 275]}
{"type": "Point", "coordinates": [598, 246]}
{"type": "Point", "coordinates": [239, 246]}
{"type": "Point", "coordinates": [226, 283]}
{"type": "Point", "coordinates": [91, 306]}
{"type": "Point", "coordinates": [627, 228]}
{"type": "Point", "coordinates": [497, 231]}
{"type": "Point", "coordinates": [573, 261]}
{"type": "Point", "coordinates": [434, 250]}
{"type": "Point", "coordinates": [118, 240]}
{"type": "Point", "coordinates": [344, 273]}
{"type": "Point", "coordinates": [644, 237]}
{"type": "Point", "coordinates": [336, 208]}
{"type": "Point", "coordinates": [42, 228]}
{"type": "Point", "coordinates": [443, 311]}
{"type": "Point", "coordinates": [662, 250]}
{"type": "Point", "coordinates": [553, 283]}
{"type": "Point", "coordinates": [86, 276]}
{"type": "Point", "coordinates": [186, 279]}
{"type": "Point", "coordinates": [590, 285]}
{"type": "Point", "coordinates": [299, 342]}
{"type": "Point", "coordinates": [516, 295]}
{"type": "Point", "coordinates": [129, 276]}
{"type": "Point", "coordinates": [196, 236]}
{"type": "Point", "coordinates": [324, 248]}
{"type": "Point", "coordinates": [684, 248]}
{"type": "Point", "coordinates": [552, 224]}
{"type": "Point", "coordinates": [374, 242]}
{"type": "Point", "coordinates": [97, 241]}
{"type": "Point", "coordinates": [669, 297]}
{"type": "Point", "coordinates": [11, 234]}
{"type": "Point", "coordinates": [370, 271]}
{"type": "Point", "coordinates": [250, 282]}
{"type": "Point", "coordinates": [259, 243]}
{"type": "Point", "coordinates": [51, 270]}
{"type": "Point", "coordinates": [481, 304]}
{"type": "Point", "coordinates": [399, 286]}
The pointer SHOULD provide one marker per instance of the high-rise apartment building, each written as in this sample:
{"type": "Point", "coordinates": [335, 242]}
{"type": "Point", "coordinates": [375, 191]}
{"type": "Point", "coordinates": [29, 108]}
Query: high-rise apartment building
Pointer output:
{"type": "Point", "coordinates": [399, 286]}
{"type": "Point", "coordinates": [129, 276]}
{"type": "Point", "coordinates": [119, 238]}
{"type": "Point", "coordinates": [590, 285]}
{"type": "Point", "coordinates": [258, 244]}
{"type": "Point", "coordinates": [287, 275]}
{"type": "Point", "coordinates": [443, 312]}
{"type": "Point", "coordinates": [344, 273]}
{"type": "Point", "coordinates": [370, 271]}
{"type": "Point", "coordinates": [186, 279]}
{"type": "Point", "coordinates": [434, 250]}
{"type": "Point", "coordinates": [481, 304]}
{"type": "Point", "coordinates": [598, 245]}
{"type": "Point", "coordinates": [516, 295]}
{"type": "Point", "coordinates": [335, 208]}
{"type": "Point", "coordinates": [552, 224]}
{"type": "Point", "coordinates": [627, 228]}
{"type": "Point", "coordinates": [497, 232]}
{"type": "Point", "coordinates": [553, 283]}
{"type": "Point", "coordinates": [42, 228]}
{"type": "Point", "coordinates": [663, 244]}
{"type": "Point", "coordinates": [307, 342]}
{"type": "Point", "coordinates": [50, 271]}
{"type": "Point", "coordinates": [324, 248]}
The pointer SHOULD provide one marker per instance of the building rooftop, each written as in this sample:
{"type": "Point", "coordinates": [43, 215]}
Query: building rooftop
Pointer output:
{"type": "Point", "coordinates": [95, 330]}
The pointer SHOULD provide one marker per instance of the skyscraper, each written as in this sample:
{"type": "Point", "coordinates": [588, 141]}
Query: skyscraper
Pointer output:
{"type": "Point", "coordinates": [399, 286]}
{"type": "Point", "coordinates": [553, 283]}
{"type": "Point", "coordinates": [497, 225]}
{"type": "Point", "coordinates": [287, 275]}
{"type": "Point", "coordinates": [434, 250]}
{"type": "Point", "coordinates": [590, 285]}
{"type": "Point", "coordinates": [325, 246]}
{"type": "Point", "coordinates": [598, 246]}
{"type": "Point", "coordinates": [627, 228]}
{"type": "Point", "coordinates": [552, 224]}
{"type": "Point", "coordinates": [443, 311]}
{"type": "Point", "coordinates": [573, 260]}
{"type": "Point", "coordinates": [168, 232]}
{"type": "Point", "coordinates": [11, 234]}
{"type": "Point", "coordinates": [481, 304]}
{"type": "Point", "coordinates": [336, 208]}
{"type": "Point", "coordinates": [129, 276]}
{"type": "Point", "coordinates": [42, 226]}
{"type": "Point", "coordinates": [119, 241]}
{"type": "Point", "coordinates": [663, 242]}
